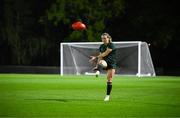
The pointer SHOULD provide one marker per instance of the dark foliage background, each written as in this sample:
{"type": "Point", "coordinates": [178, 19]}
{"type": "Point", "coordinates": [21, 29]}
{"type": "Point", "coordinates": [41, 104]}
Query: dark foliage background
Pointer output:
{"type": "Point", "coordinates": [30, 31]}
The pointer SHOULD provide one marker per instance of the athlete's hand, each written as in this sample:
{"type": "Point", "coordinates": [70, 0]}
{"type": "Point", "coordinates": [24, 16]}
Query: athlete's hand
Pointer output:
{"type": "Point", "coordinates": [93, 59]}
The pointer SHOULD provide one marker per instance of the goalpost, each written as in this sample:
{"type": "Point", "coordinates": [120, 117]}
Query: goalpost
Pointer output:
{"type": "Point", "coordinates": [133, 58]}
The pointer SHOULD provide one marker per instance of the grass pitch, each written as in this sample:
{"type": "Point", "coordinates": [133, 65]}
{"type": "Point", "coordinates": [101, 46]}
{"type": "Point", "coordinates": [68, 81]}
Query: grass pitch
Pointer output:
{"type": "Point", "coordinates": [28, 95]}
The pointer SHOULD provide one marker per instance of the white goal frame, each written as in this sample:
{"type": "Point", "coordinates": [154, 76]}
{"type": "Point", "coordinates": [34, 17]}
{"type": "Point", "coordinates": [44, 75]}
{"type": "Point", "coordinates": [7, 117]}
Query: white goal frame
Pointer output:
{"type": "Point", "coordinates": [127, 42]}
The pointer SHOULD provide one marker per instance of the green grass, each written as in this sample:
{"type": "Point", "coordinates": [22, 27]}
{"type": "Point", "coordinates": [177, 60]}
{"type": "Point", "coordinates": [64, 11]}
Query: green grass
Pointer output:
{"type": "Point", "coordinates": [28, 95]}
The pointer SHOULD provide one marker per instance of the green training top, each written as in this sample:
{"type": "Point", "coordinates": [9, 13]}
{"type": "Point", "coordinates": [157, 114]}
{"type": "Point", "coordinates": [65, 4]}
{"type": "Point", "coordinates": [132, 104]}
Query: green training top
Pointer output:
{"type": "Point", "coordinates": [111, 57]}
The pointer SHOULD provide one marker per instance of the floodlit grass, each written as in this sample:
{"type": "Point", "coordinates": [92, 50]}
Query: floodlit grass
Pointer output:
{"type": "Point", "coordinates": [43, 95]}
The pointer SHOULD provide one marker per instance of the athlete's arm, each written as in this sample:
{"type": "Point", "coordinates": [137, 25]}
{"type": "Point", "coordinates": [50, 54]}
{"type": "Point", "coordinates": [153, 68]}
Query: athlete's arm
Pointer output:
{"type": "Point", "coordinates": [101, 55]}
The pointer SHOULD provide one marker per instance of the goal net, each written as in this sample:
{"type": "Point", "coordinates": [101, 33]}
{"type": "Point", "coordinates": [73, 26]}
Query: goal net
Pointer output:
{"type": "Point", "coordinates": [133, 58]}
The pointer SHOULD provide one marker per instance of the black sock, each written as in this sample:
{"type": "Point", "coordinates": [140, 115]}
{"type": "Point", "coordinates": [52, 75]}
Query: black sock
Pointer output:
{"type": "Point", "coordinates": [99, 67]}
{"type": "Point", "coordinates": [109, 87]}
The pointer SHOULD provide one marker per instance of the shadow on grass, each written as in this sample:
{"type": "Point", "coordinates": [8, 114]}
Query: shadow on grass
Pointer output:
{"type": "Point", "coordinates": [98, 100]}
{"type": "Point", "coordinates": [64, 100]}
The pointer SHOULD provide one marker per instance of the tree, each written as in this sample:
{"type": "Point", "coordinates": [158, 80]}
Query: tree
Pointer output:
{"type": "Point", "coordinates": [152, 21]}
{"type": "Point", "coordinates": [94, 14]}
{"type": "Point", "coordinates": [20, 34]}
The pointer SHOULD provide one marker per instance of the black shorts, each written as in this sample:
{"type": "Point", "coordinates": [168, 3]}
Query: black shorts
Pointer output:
{"type": "Point", "coordinates": [110, 66]}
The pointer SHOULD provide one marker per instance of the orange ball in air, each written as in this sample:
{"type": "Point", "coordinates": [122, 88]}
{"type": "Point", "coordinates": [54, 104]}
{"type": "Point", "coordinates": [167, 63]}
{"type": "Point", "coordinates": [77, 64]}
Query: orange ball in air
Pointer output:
{"type": "Point", "coordinates": [78, 25]}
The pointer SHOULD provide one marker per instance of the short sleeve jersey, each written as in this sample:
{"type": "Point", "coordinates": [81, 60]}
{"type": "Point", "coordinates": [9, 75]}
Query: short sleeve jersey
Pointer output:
{"type": "Point", "coordinates": [111, 57]}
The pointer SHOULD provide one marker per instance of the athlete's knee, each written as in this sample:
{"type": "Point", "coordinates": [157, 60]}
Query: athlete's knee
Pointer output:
{"type": "Point", "coordinates": [110, 76]}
